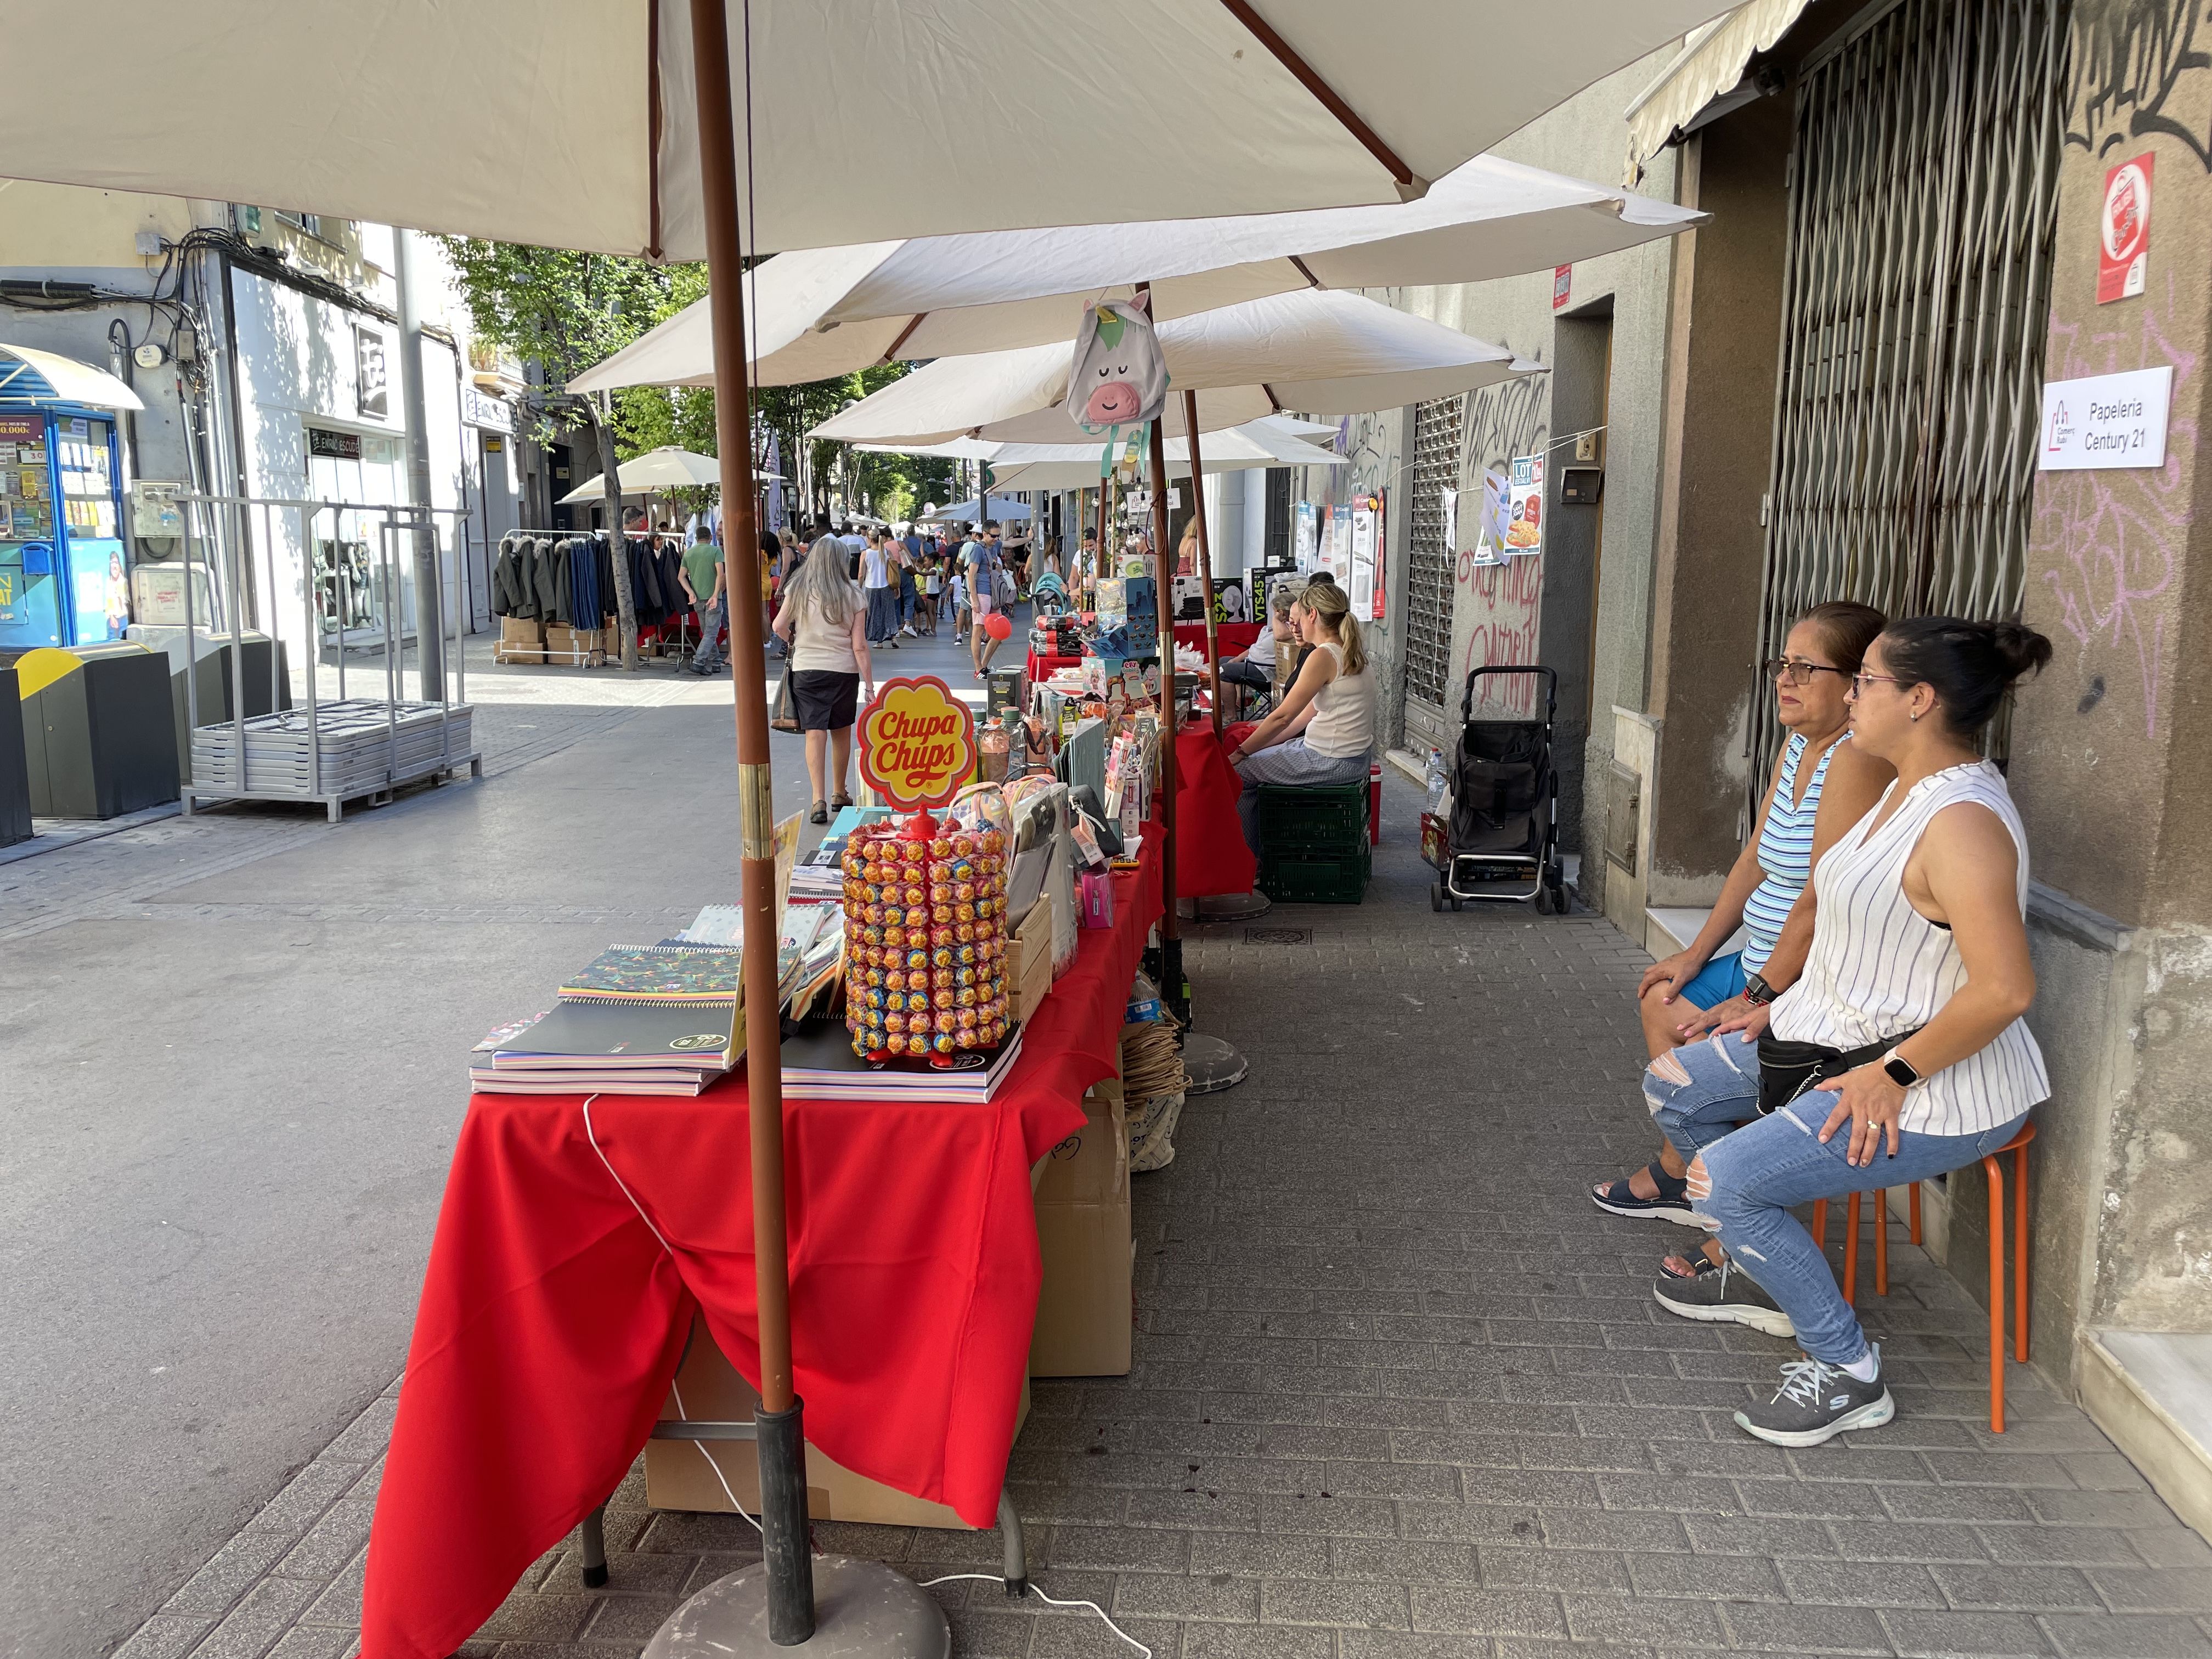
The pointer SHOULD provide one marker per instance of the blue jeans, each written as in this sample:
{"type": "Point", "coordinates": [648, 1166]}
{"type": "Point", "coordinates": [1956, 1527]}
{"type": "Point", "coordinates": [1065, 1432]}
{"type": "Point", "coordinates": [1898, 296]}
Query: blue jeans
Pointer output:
{"type": "Point", "coordinates": [708, 660]}
{"type": "Point", "coordinates": [1756, 1175]}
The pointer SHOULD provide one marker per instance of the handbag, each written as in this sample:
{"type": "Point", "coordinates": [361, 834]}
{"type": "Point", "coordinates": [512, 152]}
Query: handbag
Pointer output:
{"type": "Point", "coordinates": [779, 717]}
{"type": "Point", "coordinates": [1788, 1069]}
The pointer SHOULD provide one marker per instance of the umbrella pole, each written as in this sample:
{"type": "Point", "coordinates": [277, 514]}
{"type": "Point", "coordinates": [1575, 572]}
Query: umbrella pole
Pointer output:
{"type": "Point", "coordinates": [1171, 981]}
{"type": "Point", "coordinates": [1205, 552]}
{"type": "Point", "coordinates": [781, 1438]}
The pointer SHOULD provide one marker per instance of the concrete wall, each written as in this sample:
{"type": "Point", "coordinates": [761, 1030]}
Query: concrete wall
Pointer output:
{"type": "Point", "coordinates": [1584, 605]}
{"type": "Point", "coordinates": [2118, 578]}
{"type": "Point", "coordinates": [1723, 347]}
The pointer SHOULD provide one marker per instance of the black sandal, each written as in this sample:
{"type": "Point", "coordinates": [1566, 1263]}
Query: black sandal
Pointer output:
{"type": "Point", "coordinates": [819, 815]}
{"type": "Point", "coordinates": [1672, 1203]}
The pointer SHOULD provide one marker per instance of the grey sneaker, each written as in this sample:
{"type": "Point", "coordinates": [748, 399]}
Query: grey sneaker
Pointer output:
{"type": "Point", "coordinates": [1818, 1402]}
{"type": "Point", "coordinates": [1725, 1295]}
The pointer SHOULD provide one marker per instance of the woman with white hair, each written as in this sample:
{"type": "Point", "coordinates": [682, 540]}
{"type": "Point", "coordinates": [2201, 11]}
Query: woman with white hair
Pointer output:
{"type": "Point", "coordinates": [823, 622]}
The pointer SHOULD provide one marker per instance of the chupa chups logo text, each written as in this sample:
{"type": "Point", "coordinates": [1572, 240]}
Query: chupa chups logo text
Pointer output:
{"type": "Point", "coordinates": [917, 743]}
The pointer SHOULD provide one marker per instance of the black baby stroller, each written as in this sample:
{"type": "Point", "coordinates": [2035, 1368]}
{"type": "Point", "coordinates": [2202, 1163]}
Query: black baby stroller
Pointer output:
{"type": "Point", "coordinates": [1502, 839]}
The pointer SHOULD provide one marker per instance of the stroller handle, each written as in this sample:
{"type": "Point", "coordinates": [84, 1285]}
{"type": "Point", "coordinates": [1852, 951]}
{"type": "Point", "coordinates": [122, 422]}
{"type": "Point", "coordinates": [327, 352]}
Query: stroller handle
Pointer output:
{"type": "Point", "coordinates": [1549, 676]}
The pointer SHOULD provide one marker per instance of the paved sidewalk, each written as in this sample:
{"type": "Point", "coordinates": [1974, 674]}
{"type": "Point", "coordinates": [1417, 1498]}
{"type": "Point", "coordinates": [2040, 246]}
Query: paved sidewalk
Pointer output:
{"type": "Point", "coordinates": [1401, 1392]}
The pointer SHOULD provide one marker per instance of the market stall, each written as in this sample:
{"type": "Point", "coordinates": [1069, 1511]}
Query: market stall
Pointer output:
{"type": "Point", "coordinates": [579, 1235]}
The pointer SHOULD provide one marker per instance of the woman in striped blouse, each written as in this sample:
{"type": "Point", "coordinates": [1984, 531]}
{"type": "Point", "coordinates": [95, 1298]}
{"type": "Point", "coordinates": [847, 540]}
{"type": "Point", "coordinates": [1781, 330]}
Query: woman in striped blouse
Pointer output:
{"type": "Point", "coordinates": [1905, 1037]}
{"type": "Point", "coordinates": [1821, 785]}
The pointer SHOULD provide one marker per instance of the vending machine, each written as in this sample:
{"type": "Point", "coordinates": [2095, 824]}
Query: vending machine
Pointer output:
{"type": "Point", "coordinates": [64, 575]}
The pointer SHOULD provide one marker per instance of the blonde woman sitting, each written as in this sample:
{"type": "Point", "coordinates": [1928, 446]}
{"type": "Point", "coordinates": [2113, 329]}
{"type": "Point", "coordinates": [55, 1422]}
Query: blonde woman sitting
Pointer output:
{"type": "Point", "coordinates": [1323, 731]}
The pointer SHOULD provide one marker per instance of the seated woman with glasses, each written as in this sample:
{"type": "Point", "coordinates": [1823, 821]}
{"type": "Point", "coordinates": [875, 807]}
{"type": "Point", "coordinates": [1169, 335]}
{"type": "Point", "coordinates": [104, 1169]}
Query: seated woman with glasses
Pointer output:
{"type": "Point", "coordinates": [1901, 1053]}
{"type": "Point", "coordinates": [1819, 779]}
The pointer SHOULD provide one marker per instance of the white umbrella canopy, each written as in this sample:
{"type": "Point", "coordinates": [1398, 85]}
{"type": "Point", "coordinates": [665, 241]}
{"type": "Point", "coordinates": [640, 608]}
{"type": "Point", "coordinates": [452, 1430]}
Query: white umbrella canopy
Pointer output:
{"type": "Point", "coordinates": [1323, 353]}
{"type": "Point", "coordinates": [830, 311]}
{"type": "Point", "coordinates": [668, 467]}
{"type": "Point", "coordinates": [969, 511]}
{"type": "Point", "coordinates": [413, 112]}
{"type": "Point", "coordinates": [1265, 442]}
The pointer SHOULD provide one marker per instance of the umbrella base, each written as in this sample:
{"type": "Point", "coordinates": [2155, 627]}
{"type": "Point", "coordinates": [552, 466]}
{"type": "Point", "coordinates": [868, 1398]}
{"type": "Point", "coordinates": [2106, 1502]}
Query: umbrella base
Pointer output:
{"type": "Point", "coordinates": [1224, 907]}
{"type": "Point", "coordinates": [1212, 1064]}
{"type": "Point", "coordinates": [862, 1610]}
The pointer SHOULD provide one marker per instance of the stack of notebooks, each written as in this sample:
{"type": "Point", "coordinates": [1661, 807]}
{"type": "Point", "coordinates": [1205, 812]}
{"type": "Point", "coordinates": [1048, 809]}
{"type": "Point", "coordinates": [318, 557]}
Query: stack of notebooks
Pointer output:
{"type": "Point", "coordinates": [821, 874]}
{"type": "Point", "coordinates": [652, 1019]}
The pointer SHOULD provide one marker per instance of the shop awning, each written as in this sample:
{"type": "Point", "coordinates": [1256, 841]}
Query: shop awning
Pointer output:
{"type": "Point", "coordinates": [31, 376]}
{"type": "Point", "coordinates": [1706, 78]}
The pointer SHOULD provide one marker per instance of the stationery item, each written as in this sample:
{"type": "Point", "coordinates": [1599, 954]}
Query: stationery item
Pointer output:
{"type": "Point", "coordinates": [608, 1037]}
{"type": "Point", "coordinates": [490, 1080]}
{"type": "Point", "coordinates": [819, 1064]}
{"type": "Point", "coordinates": [499, 1036]}
{"type": "Point", "coordinates": [687, 976]}
{"type": "Point", "coordinates": [1098, 891]}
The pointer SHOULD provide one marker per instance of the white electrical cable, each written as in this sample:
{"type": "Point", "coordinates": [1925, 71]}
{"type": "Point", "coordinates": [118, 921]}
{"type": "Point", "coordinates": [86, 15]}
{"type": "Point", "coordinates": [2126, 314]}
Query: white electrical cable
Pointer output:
{"type": "Point", "coordinates": [1051, 1600]}
{"type": "Point", "coordinates": [590, 1135]}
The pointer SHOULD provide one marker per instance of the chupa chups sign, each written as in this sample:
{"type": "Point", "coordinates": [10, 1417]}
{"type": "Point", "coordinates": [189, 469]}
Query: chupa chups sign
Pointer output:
{"type": "Point", "coordinates": [917, 743]}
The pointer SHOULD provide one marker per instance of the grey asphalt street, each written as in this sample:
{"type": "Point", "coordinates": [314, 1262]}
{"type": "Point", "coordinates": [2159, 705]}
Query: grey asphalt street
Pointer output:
{"type": "Point", "coordinates": [231, 1070]}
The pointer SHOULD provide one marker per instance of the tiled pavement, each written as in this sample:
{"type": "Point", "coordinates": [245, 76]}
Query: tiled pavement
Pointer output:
{"type": "Point", "coordinates": [1401, 1392]}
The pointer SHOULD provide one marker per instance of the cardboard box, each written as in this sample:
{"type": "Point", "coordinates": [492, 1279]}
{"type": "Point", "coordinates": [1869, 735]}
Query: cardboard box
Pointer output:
{"type": "Point", "coordinates": [1086, 1308]}
{"type": "Point", "coordinates": [676, 1477]}
{"type": "Point", "coordinates": [521, 638]}
{"type": "Point", "coordinates": [572, 645]}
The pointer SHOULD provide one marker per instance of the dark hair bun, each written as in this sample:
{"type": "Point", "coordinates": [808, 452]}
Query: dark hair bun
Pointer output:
{"type": "Point", "coordinates": [1969, 665]}
{"type": "Point", "coordinates": [2020, 649]}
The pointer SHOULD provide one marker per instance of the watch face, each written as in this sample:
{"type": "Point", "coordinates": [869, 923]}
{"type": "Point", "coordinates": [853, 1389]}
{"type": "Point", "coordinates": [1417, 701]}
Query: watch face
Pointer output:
{"type": "Point", "coordinates": [1901, 1072]}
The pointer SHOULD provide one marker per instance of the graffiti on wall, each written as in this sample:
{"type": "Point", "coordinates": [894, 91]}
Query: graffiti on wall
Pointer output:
{"type": "Point", "coordinates": [2131, 58]}
{"type": "Point", "coordinates": [2108, 545]}
{"type": "Point", "coordinates": [1495, 608]}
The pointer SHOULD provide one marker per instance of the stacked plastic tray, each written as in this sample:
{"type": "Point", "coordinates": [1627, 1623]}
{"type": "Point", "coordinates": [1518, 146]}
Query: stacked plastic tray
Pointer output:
{"type": "Point", "coordinates": [365, 746]}
{"type": "Point", "coordinates": [1314, 847]}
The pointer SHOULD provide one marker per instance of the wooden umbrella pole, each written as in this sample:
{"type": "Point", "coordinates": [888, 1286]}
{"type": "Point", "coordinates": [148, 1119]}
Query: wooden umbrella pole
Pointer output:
{"type": "Point", "coordinates": [1205, 554]}
{"type": "Point", "coordinates": [1170, 927]}
{"type": "Point", "coordinates": [781, 1438]}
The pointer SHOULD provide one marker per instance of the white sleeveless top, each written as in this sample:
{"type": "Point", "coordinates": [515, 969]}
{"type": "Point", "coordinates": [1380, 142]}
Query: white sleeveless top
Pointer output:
{"type": "Point", "coordinates": [1344, 711]}
{"type": "Point", "coordinates": [1879, 967]}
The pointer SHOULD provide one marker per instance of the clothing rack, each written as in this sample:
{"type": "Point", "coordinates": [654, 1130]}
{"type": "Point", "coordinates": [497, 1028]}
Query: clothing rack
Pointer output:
{"type": "Point", "coordinates": [671, 624]}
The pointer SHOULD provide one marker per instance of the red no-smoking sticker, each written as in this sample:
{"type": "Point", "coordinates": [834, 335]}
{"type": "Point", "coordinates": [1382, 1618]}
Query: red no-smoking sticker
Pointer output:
{"type": "Point", "coordinates": [2123, 231]}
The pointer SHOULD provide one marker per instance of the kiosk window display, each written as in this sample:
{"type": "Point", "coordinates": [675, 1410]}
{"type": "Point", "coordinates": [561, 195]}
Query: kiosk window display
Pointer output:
{"type": "Point", "coordinates": [64, 571]}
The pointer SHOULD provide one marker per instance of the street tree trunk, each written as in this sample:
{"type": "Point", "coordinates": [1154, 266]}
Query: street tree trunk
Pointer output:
{"type": "Point", "coordinates": [625, 606]}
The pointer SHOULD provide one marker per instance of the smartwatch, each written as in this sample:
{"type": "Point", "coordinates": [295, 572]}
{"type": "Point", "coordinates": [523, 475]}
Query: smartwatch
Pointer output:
{"type": "Point", "coordinates": [1757, 992]}
{"type": "Point", "coordinates": [1900, 1070]}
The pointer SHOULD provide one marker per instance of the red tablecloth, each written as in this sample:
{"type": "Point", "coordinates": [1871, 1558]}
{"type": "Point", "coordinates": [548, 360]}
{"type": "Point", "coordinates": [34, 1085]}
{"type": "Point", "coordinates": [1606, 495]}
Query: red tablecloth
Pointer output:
{"type": "Point", "coordinates": [1232, 638]}
{"type": "Point", "coordinates": [1040, 666]}
{"type": "Point", "coordinates": [552, 1319]}
{"type": "Point", "coordinates": [1210, 856]}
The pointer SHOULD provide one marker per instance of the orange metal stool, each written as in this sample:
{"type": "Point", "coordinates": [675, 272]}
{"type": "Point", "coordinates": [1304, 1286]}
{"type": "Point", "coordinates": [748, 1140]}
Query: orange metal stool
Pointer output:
{"type": "Point", "coordinates": [2017, 1148]}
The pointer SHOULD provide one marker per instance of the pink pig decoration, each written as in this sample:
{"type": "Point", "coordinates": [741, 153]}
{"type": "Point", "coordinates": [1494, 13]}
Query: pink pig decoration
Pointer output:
{"type": "Point", "coordinates": [1120, 379]}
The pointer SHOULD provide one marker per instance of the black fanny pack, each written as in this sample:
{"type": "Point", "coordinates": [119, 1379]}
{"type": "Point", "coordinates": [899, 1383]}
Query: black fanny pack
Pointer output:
{"type": "Point", "coordinates": [1786, 1069]}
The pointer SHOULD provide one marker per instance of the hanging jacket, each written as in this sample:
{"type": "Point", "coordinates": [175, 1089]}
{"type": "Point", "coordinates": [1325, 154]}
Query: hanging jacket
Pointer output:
{"type": "Point", "coordinates": [512, 593]}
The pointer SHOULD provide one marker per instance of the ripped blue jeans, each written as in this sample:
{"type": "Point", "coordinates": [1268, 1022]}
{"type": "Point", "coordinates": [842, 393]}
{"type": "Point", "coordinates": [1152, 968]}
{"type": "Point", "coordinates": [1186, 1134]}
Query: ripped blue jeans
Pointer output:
{"type": "Point", "coordinates": [1754, 1175]}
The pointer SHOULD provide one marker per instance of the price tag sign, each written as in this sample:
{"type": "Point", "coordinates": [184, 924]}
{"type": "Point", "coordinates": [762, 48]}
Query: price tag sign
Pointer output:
{"type": "Point", "coordinates": [917, 743]}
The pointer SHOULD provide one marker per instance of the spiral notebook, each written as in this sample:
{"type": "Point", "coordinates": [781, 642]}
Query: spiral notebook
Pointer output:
{"type": "Point", "coordinates": [659, 976]}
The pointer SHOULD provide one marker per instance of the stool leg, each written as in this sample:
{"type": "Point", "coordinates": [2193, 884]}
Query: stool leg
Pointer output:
{"type": "Point", "coordinates": [2019, 1254]}
{"type": "Point", "coordinates": [1915, 1202]}
{"type": "Point", "coordinates": [1881, 1243]}
{"type": "Point", "coordinates": [1820, 1223]}
{"type": "Point", "coordinates": [1851, 1250]}
{"type": "Point", "coordinates": [1996, 1295]}
{"type": "Point", "coordinates": [1016, 1557]}
{"type": "Point", "coordinates": [592, 1545]}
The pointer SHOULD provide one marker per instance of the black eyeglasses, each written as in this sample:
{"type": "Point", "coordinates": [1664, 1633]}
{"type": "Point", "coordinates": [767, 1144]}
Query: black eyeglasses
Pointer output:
{"type": "Point", "coordinates": [1796, 670]}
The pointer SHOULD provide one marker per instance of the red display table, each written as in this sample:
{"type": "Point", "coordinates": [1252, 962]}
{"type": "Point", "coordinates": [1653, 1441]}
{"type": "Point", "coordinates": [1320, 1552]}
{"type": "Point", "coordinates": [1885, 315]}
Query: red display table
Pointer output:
{"type": "Point", "coordinates": [1211, 854]}
{"type": "Point", "coordinates": [555, 1307]}
{"type": "Point", "coordinates": [1232, 638]}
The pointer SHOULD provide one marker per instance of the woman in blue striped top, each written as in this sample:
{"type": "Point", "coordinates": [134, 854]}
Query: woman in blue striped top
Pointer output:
{"type": "Point", "coordinates": [1818, 780]}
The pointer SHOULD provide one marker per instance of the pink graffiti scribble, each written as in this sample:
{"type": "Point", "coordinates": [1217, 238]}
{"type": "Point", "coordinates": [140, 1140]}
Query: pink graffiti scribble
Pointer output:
{"type": "Point", "coordinates": [2110, 542]}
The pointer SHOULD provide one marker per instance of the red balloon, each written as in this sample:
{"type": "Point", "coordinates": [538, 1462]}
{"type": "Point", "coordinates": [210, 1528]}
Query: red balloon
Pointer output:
{"type": "Point", "coordinates": [999, 625]}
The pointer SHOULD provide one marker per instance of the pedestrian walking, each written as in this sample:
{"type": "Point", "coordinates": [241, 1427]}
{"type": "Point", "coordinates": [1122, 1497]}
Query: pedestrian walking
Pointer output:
{"type": "Point", "coordinates": [979, 562]}
{"type": "Point", "coordinates": [932, 590]}
{"type": "Point", "coordinates": [823, 621]}
{"type": "Point", "coordinates": [702, 572]}
{"type": "Point", "coordinates": [881, 591]}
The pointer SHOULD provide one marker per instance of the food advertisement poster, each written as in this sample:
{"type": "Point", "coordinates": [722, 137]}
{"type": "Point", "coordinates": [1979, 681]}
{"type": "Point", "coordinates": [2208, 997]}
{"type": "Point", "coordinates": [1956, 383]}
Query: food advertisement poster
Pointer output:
{"type": "Point", "coordinates": [1524, 507]}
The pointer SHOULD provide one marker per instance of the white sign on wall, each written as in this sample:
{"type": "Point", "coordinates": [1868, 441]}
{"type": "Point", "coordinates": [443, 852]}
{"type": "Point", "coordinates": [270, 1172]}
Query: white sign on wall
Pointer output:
{"type": "Point", "coordinates": [2105, 422]}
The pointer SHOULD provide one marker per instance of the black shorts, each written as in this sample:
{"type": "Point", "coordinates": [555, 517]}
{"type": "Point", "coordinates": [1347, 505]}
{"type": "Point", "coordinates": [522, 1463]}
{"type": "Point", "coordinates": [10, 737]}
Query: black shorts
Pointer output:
{"type": "Point", "coordinates": [825, 700]}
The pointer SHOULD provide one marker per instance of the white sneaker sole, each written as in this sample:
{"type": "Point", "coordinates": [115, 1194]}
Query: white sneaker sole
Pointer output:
{"type": "Point", "coordinates": [1772, 1320]}
{"type": "Point", "coordinates": [1678, 1213]}
{"type": "Point", "coordinates": [1872, 1415]}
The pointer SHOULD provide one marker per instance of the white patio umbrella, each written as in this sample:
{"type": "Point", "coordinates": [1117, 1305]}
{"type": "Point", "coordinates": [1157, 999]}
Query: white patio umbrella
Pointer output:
{"type": "Point", "coordinates": [666, 468]}
{"type": "Point", "coordinates": [971, 510]}
{"type": "Point", "coordinates": [1075, 466]}
{"type": "Point", "coordinates": [830, 311]}
{"type": "Point", "coordinates": [1323, 353]}
{"type": "Point", "coordinates": [415, 112]}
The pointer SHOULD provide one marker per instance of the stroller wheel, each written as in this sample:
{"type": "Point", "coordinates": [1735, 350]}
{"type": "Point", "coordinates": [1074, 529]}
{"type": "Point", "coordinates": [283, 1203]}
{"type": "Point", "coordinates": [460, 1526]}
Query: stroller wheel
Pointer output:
{"type": "Point", "coordinates": [1544, 906]}
{"type": "Point", "coordinates": [1436, 896]}
{"type": "Point", "coordinates": [1455, 902]}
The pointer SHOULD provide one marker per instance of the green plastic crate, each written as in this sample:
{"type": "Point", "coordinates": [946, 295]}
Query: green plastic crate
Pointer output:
{"type": "Point", "coordinates": [1331, 819]}
{"type": "Point", "coordinates": [1316, 878]}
